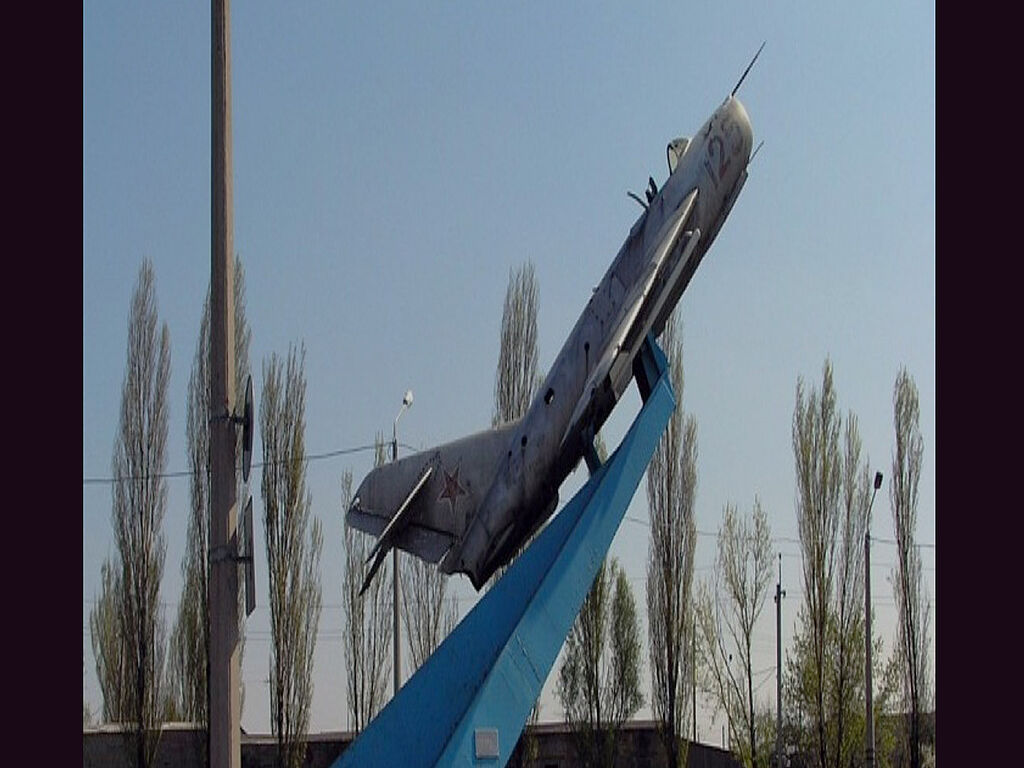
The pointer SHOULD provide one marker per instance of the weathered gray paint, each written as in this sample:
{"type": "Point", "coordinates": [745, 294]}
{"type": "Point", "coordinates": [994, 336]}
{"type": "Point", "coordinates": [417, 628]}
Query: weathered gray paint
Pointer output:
{"type": "Point", "coordinates": [491, 490]}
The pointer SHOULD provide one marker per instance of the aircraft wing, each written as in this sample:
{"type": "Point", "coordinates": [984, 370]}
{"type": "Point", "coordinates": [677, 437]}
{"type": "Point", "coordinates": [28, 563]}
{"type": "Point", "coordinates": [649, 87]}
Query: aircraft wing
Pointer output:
{"type": "Point", "coordinates": [634, 324]}
{"type": "Point", "coordinates": [422, 503]}
{"type": "Point", "coordinates": [614, 370]}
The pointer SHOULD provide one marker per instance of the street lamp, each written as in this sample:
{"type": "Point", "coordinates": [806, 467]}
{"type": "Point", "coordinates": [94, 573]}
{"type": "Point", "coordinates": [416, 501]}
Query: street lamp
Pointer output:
{"type": "Point", "coordinates": [869, 736]}
{"type": "Point", "coordinates": [406, 403]}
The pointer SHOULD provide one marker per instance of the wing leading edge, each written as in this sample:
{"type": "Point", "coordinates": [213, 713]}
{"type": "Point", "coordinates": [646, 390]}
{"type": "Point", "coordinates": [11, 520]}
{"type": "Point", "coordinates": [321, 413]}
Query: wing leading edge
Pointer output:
{"type": "Point", "coordinates": [638, 313]}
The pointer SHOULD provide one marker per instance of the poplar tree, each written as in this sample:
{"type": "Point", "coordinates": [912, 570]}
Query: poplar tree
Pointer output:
{"type": "Point", "coordinates": [671, 492]}
{"type": "Point", "coordinates": [108, 644]}
{"type": "Point", "coordinates": [599, 680]}
{"type": "Point", "coordinates": [726, 614]}
{"type": "Point", "coordinates": [188, 661]}
{"type": "Point", "coordinates": [294, 543]}
{"type": "Point", "coordinates": [825, 683]}
{"type": "Point", "coordinates": [127, 624]}
{"type": "Point", "coordinates": [912, 602]}
{"type": "Point", "coordinates": [368, 629]}
{"type": "Point", "coordinates": [816, 430]}
{"type": "Point", "coordinates": [516, 381]}
{"type": "Point", "coordinates": [516, 378]}
{"type": "Point", "coordinates": [429, 612]}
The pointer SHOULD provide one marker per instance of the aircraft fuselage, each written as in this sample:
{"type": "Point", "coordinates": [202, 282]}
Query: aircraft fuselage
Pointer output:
{"type": "Point", "coordinates": [592, 370]}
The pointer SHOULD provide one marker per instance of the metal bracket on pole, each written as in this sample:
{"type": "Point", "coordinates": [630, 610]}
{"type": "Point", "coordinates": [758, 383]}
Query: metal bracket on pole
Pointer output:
{"type": "Point", "coordinates": [230, 552]}
{"type": "Point", "coordinates": [243, 420]}
{"type": "Point", "coordinates": [219, 554]}
{"type": "Point", "coordinates": [223, 552]}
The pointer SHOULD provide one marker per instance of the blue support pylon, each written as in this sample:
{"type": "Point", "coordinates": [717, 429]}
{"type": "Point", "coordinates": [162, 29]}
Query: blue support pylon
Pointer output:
{"type": "Point", "coordinates": [468, 703]}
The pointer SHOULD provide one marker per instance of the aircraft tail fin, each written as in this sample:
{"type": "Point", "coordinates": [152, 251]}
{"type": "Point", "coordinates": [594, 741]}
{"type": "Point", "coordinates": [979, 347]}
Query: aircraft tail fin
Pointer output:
{"type": "Point", "coordinates": [423, 502]}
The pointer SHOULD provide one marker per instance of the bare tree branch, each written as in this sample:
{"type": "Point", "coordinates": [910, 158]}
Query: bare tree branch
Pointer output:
{"type": "Point", "coordinates": [599, 680]}
{"type": "Point", "coordinates": [368, 634]}
{"type": "Point", "coordinates": [816, 429]}
{"type": "Point", "coordinates": [108, 645]}
{"type": "Point", "coordinates": [516, 378]}
{"type": "Point", "coordinates": [128, 619]}
{"type": "Point", "coordinates": [743, 571]}
{"type": "Point", "coordinates": [671, 492]}
{"type": "Point", "coordinates": [188, 662]}
{"type": "Point", "coordinates": [912, 602]}
{"type": "Point", "coordinates": [515, 384]}
{"type": "Point", "coordinates": [294, 544]}
{"type": "Point", "coordinates": [430, 614]}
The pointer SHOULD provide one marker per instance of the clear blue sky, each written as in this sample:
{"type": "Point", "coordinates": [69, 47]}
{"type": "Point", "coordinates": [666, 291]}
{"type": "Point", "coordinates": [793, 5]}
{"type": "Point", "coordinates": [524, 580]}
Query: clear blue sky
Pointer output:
{"type": "Point", "coordinates": [392, 163]}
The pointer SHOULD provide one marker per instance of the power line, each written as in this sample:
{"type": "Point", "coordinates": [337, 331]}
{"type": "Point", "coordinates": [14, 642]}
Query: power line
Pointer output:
{"type": "Point", "coordinates": [189, 473]}
{"type": "Point", "coordinates": [358, 449]}
{"type": "Point", "coordinates": [775, 539]}
{"type": "Point", "coordinates": [891, 541]}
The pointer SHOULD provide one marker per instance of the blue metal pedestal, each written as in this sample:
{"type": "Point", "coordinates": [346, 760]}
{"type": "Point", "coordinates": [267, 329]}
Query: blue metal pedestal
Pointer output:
{"type": "Point", "coordinates": [466, 706]}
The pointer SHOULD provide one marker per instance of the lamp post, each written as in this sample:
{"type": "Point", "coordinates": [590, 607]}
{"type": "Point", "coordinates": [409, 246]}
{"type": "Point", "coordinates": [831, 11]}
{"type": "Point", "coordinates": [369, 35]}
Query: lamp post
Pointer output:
{"type": "Point", "coordinates": [779, 594]}
{"type": "Point", "coordinates": [869, 736]}
{"type": "Point", "coordinates": [406, 403]}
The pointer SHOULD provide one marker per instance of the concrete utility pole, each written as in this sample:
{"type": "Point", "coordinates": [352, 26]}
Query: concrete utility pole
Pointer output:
{"type": "Point", "coordinates": [225, 728]}
{"type": "Point", "coordinates": [779, 594]}
{"type": "Point", "coordinates": [869, 735]}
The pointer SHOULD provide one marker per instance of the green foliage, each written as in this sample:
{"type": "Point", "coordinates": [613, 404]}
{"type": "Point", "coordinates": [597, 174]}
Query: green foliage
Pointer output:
{"type": "Point", "coordinates": [816, 430]}
{"type": "Point", "coordinates": [764, 724]}
{"type": "Point", "coordinates": [599, 680]}
{"type": "Point", "coordinates": [889, 735]}
{"type": "Point", "coordinates": [800, 697]}
{"type": "Point", "coordinates": [825, 686]}
{"type": "Point", "coordinates": [625, 646]}
{"type": "Point", "coordinates": [825, 678]}
{"type": "Point", "coordinates": [726, 615]}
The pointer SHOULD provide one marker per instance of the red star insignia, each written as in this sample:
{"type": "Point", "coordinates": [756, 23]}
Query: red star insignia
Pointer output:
{"type": "Point", "coordinates": [452, 489]}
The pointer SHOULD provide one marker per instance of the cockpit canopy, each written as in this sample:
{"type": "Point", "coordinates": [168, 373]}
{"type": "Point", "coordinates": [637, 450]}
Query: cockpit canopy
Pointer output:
{"type": "Point", "coordinates": [675, 151]}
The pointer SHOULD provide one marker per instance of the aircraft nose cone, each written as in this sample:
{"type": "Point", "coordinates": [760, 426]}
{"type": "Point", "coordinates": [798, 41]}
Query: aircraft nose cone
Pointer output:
{"type": "Point", "coordinates": [739, 115]}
